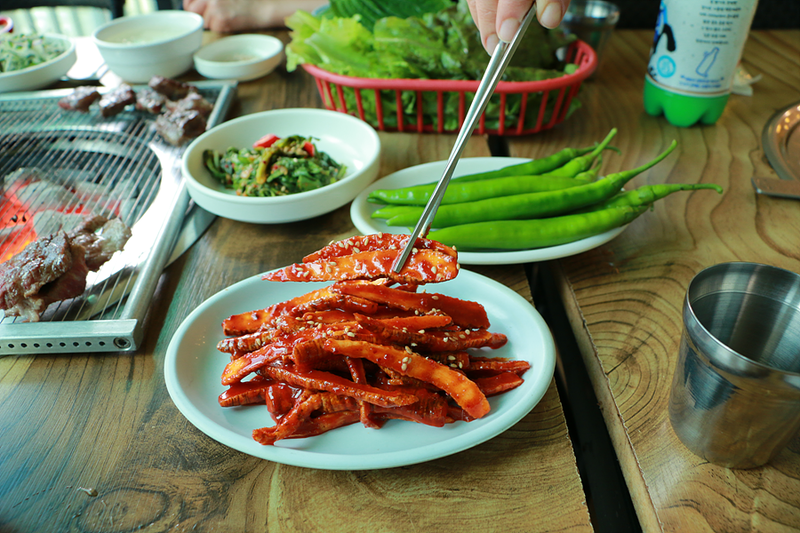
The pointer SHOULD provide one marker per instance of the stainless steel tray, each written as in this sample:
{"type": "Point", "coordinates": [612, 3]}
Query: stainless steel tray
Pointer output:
{"type": "Point", "coordinates": [108, 316]}
{"type": "Point", "coordinates": [781, 142]}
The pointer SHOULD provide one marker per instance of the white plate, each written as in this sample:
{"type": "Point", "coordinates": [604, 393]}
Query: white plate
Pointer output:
{"type": "Point", "coordinates": [193, 367]}
{"type": "Point", "coordinates": [361, 210]}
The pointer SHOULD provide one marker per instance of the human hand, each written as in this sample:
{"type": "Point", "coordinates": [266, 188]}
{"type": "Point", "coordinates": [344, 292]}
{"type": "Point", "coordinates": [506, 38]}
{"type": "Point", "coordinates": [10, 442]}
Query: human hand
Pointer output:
{"type": "Point", "coordinates": [498, 20]}
{"type": "Point", "coordinates": [242, 15]}
{"type": "Point", "coordinates": [223, 15]}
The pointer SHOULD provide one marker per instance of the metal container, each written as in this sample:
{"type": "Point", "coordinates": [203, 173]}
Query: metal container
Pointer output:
{"type": "Point", "coordinates": [735, 398]}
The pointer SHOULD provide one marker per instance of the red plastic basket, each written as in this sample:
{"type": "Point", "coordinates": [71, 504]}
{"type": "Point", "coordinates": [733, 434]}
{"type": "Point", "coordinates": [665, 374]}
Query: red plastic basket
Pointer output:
{"type": "Point", "coordinates": [516, 110]}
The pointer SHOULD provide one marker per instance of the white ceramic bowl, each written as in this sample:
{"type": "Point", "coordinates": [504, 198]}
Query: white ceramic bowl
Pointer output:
{"type": "Point", "coordinates": [42, 75]}
{"type": "Point", "coordinates": [161, 43]}
{"type": "Point", "coordinates": [239, 57]}
{"type": "Point", "coordinates": [346, 139]}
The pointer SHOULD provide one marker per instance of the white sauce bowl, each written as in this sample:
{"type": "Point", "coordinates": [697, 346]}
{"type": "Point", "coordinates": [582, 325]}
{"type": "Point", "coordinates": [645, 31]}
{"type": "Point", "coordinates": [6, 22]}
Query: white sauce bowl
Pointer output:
{"type": "Point", "coordinates": [239, 57]}
{"type": "Point", "coordinates": [155, 44]}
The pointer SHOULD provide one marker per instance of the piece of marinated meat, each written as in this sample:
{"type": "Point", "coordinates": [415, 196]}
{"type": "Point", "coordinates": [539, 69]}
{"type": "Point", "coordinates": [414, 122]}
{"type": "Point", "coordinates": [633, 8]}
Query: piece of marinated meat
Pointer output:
{"type": "Point", "coordinates": [23, 276]}
{"type": "Point", "coordinates": [114, 102]}
{"type": "Point", "coordinates": [178, 127]}
{"type": "Point", "coordinates": [191, 102]}
{"type": "Point", "coordinates": [101, 238]}
{"type": "Point", "coordinates": [54, 268]}
{"type": "Point", "coordinates": [80, 99]}
{"type": "Point", "coordinates": [150, 101]}
{"type": "Point", "coordinates": [172, 89]}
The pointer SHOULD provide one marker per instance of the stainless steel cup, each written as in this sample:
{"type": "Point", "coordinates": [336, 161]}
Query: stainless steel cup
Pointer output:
{"type": "Point", "coordinates": [592, 21]}
{"type": "Point", "coordinates": [735, 398]}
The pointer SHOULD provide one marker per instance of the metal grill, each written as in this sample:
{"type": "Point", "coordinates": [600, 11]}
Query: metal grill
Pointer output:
{"type": "Point", "coordinates": [57, 166]}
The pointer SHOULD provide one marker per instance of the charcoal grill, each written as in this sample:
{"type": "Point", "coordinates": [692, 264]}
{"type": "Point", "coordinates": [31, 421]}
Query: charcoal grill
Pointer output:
{"type": "Point", "coordinates": [55, 167]}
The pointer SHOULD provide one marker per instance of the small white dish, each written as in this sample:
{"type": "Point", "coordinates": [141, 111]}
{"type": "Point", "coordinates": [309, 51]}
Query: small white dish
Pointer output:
{"type": "Point", "coordinates": [348, 140]}
{"type": "Point", "coordinates": [43, 74]}
{"type": "Point", "coordinates": [193, 366]}
{"type": "Point", "coordinates": [161, 43]}
{"type": "Point", "coordinates": [361, 212]}
{"type": "Point", "coordinates": [239, 57]}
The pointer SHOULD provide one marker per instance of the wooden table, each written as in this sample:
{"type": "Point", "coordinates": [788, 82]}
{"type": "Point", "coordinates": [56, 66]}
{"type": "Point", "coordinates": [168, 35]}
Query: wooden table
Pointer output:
{"type": "Point", "coordinates": [94, 442]}
{"type": "Point", "coordinates": [624, 299]}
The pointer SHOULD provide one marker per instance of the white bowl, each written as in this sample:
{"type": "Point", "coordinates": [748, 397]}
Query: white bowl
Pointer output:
{"type": "Point", "coordinates": [42, 75]}
{"type": "Point", "coordinates": [161, 43]}
{"type": "Point", "coordinates": [346, 139]}
{"type": "Point", "coordinates": [239, 57]}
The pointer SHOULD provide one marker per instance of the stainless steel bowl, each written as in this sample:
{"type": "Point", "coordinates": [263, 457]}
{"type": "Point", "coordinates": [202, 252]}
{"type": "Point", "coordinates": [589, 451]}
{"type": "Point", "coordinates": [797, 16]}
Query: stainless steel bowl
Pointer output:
{"type": "Point", "coordinates": [735, 397]}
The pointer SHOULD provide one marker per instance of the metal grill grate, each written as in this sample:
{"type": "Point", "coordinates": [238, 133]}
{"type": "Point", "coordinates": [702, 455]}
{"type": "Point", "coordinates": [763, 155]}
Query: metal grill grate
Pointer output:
{"type": "Point", "coordinates": [55, 166]}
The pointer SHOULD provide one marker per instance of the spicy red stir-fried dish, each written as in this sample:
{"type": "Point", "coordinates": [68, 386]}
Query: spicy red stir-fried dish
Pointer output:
{"type": "Point", "coordinates": [370, 347]}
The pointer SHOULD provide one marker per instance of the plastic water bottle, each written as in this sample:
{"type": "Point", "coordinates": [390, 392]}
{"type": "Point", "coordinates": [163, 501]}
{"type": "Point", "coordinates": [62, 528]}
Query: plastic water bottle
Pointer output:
{"type": "Point", "coordinates": [696, 48]}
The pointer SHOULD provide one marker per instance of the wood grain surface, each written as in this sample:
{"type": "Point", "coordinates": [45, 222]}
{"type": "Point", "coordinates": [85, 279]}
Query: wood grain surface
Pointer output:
{"type": "Point", "coordinates": [93, 443]}
{"type": "Point", "coordinates": [624, 299]}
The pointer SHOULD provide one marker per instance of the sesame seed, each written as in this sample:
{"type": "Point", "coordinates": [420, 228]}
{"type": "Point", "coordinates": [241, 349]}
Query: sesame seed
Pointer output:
{"type": "Point", "coordinates": [421, 331]}
{"type": "Point", "coordinates": [435, 297]}
{"type": "Point", "coordinates": [408, 349]}
{"type": "Point", "coordinates": [453, 365]}
{"type": "Point", "coordinates": [451, 357]}
{"type": "Point", "coordinates": [356, 250]}
{"type": "Point", "coordinates": [403, 367]}
{"type": "Point", "coordinates": [460, 365]}
{"type": "Point", "coordinates": [413, 344]}
{"type": "Point", "coordinates": [462, 336]}
{"type": "Point", "coordinates": [351, 334]}
{"type": "Point", "coordinates": [433, 269]}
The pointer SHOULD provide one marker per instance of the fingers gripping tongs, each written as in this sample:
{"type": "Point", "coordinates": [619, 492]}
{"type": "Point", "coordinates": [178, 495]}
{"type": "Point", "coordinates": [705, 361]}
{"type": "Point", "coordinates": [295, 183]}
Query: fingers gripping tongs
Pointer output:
{"type": "Point", "coordinates": [497, 66]}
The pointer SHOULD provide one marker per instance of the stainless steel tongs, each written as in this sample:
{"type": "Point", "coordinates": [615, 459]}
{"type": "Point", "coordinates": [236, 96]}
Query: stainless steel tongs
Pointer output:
{"type": "Point", "coordinates": [497, 66]}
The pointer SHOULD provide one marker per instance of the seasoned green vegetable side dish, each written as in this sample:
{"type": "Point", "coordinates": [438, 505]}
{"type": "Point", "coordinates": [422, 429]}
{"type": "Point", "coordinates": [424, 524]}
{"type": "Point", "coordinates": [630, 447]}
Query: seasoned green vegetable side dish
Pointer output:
{"type": "Point", "coordinates": [21, 50]}
{"type": "Point", "coordinates": [547, 202]}
{"type": "Point", "coordinates": [274, 167]}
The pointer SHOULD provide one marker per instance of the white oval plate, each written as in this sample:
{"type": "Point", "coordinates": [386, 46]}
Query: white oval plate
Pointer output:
{"type": "Point", "coordinates": [361, 211]}
{"type": "Point", "coordinates": [193, 366]}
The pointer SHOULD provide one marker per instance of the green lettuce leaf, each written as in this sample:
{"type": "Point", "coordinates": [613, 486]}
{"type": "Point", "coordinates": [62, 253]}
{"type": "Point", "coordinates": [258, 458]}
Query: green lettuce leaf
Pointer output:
{"type": "Point", "coordinates": [443, 44]}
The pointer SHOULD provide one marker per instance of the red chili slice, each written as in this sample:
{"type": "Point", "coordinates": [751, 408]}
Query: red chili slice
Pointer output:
{"type": "Point", "coordinates": [266, 141]}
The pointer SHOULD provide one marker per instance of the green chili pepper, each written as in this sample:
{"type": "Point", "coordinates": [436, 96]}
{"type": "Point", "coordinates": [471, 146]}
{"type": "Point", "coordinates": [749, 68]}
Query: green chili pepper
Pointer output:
{"type": "Point", "coordinates": [388, 211]}
{"type": "Point", "coordinates": [648, 194]}
{"type": "Point", "coordinates": [530, 168]}
{"type": "Point", "coordinates": [536, 233]}
{"type": "Point", "coordinates": [420, 193]}
{"type": "Point", "coordinates": [529, 205]}
{"type": "Point", "coordinates": [459, 193]}
{"type": "Point", "coordinates": [470, 191]}
{"type": "Point", "coordinates": [584, 162]}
